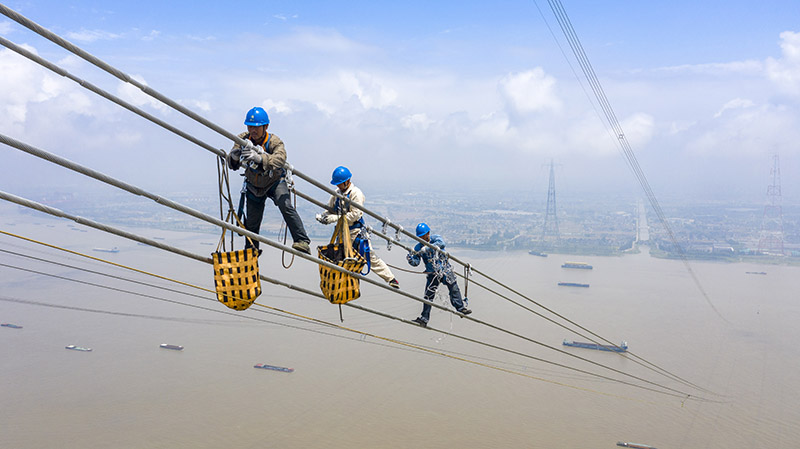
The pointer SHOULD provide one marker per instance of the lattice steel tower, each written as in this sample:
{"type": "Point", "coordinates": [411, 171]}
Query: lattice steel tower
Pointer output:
{"type": "Point", "coordinates": [770, 240]}
{"type": "Point", "coordinates": [550, 228]}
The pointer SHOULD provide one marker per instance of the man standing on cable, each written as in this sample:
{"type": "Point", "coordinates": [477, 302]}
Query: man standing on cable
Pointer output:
{"type": "Point", "coordinates": [438, 269]}
{"type": "Point", "coordinates": [264, 157]}
{"type": "Point", "coordinates": [354, 218]}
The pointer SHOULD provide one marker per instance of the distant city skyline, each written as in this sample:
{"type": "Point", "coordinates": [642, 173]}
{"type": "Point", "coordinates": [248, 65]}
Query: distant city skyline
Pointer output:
{"type": "Point", "coordinates": [418, 96]}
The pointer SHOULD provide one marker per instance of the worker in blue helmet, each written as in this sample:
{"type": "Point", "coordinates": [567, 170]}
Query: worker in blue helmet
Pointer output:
{"type": "Point", "coordinates": [354, 218]}
{"type": "Point", "coordinates": [439, 271]}
{"type": "Point", "coordinates": [263, 156]}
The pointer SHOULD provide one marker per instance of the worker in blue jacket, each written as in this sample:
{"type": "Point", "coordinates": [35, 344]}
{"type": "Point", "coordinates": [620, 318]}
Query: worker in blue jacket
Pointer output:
{"type": "Point", "coordinates": [438, 269]}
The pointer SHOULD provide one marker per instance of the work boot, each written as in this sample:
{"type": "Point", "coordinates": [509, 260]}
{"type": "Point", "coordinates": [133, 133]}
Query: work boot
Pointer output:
{"type": "Point", "coordinates": [464, 311]}
{"type": "Point", "coordinates": [394, 284]}
{"type": "Point", "coordinates": [302, 246]}
{"type": "Point", "coordinates": [421, 321]}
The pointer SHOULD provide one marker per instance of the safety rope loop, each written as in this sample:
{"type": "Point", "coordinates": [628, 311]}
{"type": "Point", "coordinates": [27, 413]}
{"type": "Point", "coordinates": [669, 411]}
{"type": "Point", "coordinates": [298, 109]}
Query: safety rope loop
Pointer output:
{"type": "Point", "coordinates": [383, 231]}
{"type": "Point", "coordinates": [285, 226]}
{"type": "Point", "coordinates": [224, 186]}
{"type": "Point", "coordinates": [467, 273]}
{"type": "Point", "coordinates": [289, 178]}
{"type": "Point", "coordinates": [398, 232]}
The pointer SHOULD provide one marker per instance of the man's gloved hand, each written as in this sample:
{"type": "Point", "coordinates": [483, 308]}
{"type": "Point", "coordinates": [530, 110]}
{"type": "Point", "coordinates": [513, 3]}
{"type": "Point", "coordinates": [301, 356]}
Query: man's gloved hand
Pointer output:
{"type": "Point", "coordinates": [247, 150]}
{"type": "Point", "coordinates": [320, 218]}
{"type": "Point", "coordinates": [331, 219]}
{"type": "Point", "coordinates": [253, 158]}
{"type": "Point", "coordinates": [234, 159]}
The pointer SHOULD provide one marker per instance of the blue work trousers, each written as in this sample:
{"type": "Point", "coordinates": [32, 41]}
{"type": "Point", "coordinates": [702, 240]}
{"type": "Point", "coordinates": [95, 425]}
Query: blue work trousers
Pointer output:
{"type": "Point", "coordinates": [431, 284]}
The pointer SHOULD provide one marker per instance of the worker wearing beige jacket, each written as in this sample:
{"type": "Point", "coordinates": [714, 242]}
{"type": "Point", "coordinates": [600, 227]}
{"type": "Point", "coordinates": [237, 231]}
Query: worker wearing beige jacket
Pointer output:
{"type": "Point", "coordinates": [354, 219]}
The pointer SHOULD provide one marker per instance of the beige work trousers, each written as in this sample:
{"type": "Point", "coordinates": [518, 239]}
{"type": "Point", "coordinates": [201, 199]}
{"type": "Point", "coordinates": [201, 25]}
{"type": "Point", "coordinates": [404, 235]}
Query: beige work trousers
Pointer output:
{"type": "Point", "coordinates": [377, 265]}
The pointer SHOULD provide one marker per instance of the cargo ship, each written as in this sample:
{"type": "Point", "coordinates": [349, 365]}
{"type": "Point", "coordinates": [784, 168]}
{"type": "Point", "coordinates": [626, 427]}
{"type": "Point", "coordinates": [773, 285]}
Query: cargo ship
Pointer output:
{"type": "Point", "coordinates": [107, 250]}
{"type": "Point", "coordinates": [623, 347]}
{"type": "Point", "coordinates": [537, 253]}
{"type": "Point", "coordinates": [573, 284]}
{"type": "Point", "coordinates": [174, 347]}
{"type": "Point", "coordinates": [634, 445]}
{"type": "Point", "coordinates": [78, 348]}
{"type": "Point", "coordinates": [12, 326]}
{"type": "Point", "coordinates": [274, 368]}
{"type": "Point", "coordinates": [581, 265]}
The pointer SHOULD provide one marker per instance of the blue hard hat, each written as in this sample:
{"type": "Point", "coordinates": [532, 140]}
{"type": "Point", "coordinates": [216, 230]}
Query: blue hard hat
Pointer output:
{"type": "Point", "coordinates": [256, 117]}
{"type": "Point", "coordinates": [422, 229]}
{"type": "Point", "coordinates": [340, 175]}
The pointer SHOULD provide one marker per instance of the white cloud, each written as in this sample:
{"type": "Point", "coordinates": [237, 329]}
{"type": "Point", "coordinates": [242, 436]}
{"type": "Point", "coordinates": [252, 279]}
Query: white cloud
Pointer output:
{"type": "Point", "coordinates": [416, 122]}
{"type": "Point", "coordinates": [280, 107]}
{"type": "Point", "coordinates": [746, 131]}
{"type": "Point", "coordinates": [531, 91]}
{"type": "Point", "coordinates": [736, 103]}
{"type": "Point", "coordinates": [152, 35]}
{"type": "Point", "coordinates": [329, 43]}
{"type": "Point", "coordinates": [92, 35]}
{"type": "Point", "coordinates": [370, 91]}
{"type": "Point", "coordinates": [5, 28]}
{"type": "Point", "coordinates": [325, 108]}
{"type": "Point", "coordinates": [23, 82]}
{"type": "Point", "coordinates": [201, 38]}
{"type": "Point", "coordinates": [717, 68]}
{"type": "Point", "coordinates": [201, 105]}
{"type": "Point", "coordinates": [136, 97]}
{"type": "Point", "coordinates": [638, 129]}
{"type": "Point", "coordinates": [785, 72]}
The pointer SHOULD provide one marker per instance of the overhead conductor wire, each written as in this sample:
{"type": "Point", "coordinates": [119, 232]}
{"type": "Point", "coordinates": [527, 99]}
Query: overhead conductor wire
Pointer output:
{"type": "Point", "coordinates": [145, 89]}
{"type": "Point", "coordinates": [132, 189]}
{"type": "Point", "coordinates": [597, 88]}
{"type": "Point", "coordinates": [290, 315]}
{"type": "Point", "coordinates": [117, 73]}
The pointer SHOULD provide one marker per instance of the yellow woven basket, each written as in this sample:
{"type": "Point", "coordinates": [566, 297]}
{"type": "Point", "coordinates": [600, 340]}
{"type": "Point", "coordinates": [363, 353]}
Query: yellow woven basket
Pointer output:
{"type": "Point", "coordinates": [236, 277]}
{"type": "Point", "coordinates": [337, 286]}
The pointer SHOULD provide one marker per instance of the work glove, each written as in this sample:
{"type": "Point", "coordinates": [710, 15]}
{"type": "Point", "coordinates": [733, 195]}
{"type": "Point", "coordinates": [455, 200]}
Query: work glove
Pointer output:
{"type": "Point", "coordinates": [247, 149]}
{"type": "Point", "coordinates": [321, 218]}
{"type": "Point", "coordinates": [254, 158]}
{"type": "Point", "coordinates": [329, 218]}
{"type": "Point", "coordinates": [233, 159]}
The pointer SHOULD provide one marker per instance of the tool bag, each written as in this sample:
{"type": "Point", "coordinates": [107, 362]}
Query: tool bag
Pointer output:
{"type": "Point", "coordinates": [236, 275]}
{"type": "Point", "coordinates": [337, 286]}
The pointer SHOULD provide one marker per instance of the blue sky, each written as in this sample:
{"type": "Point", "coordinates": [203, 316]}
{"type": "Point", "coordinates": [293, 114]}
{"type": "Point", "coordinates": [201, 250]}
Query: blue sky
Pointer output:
{"type": "Point", "coordinates": [420, 95]}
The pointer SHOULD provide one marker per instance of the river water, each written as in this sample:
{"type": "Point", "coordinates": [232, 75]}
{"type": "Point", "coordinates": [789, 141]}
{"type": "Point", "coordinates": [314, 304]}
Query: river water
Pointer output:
{"type": "Point", "coordinates": [740, 345]}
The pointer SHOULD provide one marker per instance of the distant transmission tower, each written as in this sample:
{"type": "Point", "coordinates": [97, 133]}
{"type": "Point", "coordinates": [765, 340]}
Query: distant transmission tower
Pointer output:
{"type": "Point", "coordinates": [771, 236]}
{"type": "Point", "coordinates": [550, 228]}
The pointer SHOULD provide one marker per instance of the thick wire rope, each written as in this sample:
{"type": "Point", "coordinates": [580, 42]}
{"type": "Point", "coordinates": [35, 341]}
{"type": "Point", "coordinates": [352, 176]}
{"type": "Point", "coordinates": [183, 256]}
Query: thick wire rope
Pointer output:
{"type": "Point", "coordinates": [219, 153]}
{"type": "Point", "coordinates": [81, 53]}
{"type": "Point", "coordinates": [163, 201]}
{"type": "Point", "coordinates": [109, 312]}
{"type": "Point", "coordinates": [72, 48]}
{"type": "Point", "coordinates": [112, 230]}
{"type": "Point", "coordinates": [586, 66]}
{"type": "Point", "coordinates": [299, 317]}
{"type": "Point", "coordinates": [593, 337]}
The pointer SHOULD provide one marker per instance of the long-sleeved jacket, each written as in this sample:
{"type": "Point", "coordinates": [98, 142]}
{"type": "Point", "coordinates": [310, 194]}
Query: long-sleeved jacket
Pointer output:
{"type": "Point", "coordinates": [270, 171]}
{"type": "Point", "coordinates": [435, 262]}
{"type": "Point", "coordinates": [352, 215]}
